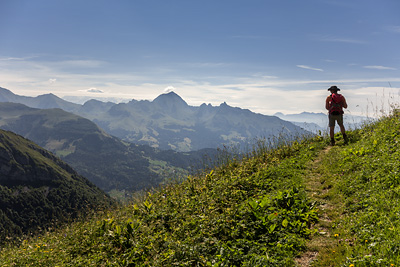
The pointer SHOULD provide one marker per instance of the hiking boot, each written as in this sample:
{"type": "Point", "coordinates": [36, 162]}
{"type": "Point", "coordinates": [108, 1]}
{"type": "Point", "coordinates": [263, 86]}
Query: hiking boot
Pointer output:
{"type": "Point", "coordinates": [332, 143]}
{"type": "Point", "coordinates": [346, 139]}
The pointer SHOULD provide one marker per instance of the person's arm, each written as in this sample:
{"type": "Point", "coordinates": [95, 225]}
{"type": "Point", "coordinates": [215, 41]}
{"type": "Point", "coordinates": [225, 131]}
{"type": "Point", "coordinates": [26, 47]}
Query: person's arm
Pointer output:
{"type": "Point", "coordinates": [344, 103]}
{"type": "Point", "coordinates": [327, 102]}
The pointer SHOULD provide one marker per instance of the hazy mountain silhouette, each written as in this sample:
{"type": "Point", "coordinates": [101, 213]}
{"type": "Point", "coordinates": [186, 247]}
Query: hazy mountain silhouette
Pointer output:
{"type": "Point", "coordinates": [315, 122]}
{"type": "Point", "coordinates": [168, 122]}
{"type": "Point", "coordinates": [41, 101]}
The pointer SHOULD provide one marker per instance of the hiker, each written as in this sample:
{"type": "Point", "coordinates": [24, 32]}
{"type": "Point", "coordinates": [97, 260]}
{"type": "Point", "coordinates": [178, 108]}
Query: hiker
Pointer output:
{"type": "Point", "coordinates": [335, 104]}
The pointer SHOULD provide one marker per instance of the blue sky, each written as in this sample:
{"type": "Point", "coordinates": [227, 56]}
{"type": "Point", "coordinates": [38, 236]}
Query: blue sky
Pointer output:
{"type": "Point", "coordinates": [267, 56]}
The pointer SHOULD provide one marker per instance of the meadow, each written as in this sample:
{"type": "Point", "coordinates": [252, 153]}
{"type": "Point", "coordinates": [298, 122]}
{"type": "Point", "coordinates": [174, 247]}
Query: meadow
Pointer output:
{"type": "Point", "coordinates": [299, 203]}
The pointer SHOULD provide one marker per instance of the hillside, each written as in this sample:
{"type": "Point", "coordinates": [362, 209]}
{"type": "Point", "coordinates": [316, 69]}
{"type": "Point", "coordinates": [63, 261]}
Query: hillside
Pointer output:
{"type": "Point", "coordinates": [301, 204]}
{"type": "Point", "coordinates": [105, 160]}
{"type": "Point", "coordinates": [37, 190]}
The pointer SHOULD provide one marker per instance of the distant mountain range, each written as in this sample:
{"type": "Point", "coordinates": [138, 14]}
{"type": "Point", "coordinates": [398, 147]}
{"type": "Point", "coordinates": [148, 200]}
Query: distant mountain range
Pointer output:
{"type": "Point", "coordinates": [168, 122]}
{"type": "Point", "coordinates": [41, 101]}
{"type": "Point", "coordinates": [315, 122]}
{"type": "Point", "coordinates": [104, 159]}
{"type": "Point", "coordinates": [38, 190]}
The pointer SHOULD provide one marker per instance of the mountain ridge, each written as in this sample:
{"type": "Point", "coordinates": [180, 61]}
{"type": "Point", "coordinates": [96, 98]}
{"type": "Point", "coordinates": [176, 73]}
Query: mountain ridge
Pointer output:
{"type": "Point", "coordinates": [168, 122]}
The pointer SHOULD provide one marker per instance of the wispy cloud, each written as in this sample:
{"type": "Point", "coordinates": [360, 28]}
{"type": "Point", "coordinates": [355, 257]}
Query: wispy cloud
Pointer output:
{"type": "Point", "coordinates": [379, 68]}
{"type": "Point", "coordinates": [264, 76]}
{"type": "Point", "coordinates": [206, 64]}
{"type": "Point", "coordinates": [308, 68]}
{"type": "Point", "coordinates": [395, 29]}
{"type": "Point", "coordinates": [80, 63]}
{"type": "Point", "coordinates": [336, 39]}
{"type": "Point", "coordinates": [15, 58]}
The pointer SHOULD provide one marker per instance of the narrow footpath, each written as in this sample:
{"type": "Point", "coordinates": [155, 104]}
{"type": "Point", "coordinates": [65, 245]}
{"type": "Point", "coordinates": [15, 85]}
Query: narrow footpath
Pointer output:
{"type": "Point", "coordinates": [318, 189]}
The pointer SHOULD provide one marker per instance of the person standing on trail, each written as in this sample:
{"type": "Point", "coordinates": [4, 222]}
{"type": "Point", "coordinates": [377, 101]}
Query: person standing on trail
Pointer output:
{"type": "Point", "coordinates": [335, 104]}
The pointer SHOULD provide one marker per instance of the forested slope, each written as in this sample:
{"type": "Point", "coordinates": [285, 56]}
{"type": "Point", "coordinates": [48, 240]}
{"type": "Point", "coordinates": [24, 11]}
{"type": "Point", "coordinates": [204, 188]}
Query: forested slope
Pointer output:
{"type": "Point", "coordinates": [38, 190]}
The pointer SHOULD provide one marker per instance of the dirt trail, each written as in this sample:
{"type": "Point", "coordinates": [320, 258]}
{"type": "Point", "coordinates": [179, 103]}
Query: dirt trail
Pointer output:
{"type": "Point", "coordinates": [318, 188]}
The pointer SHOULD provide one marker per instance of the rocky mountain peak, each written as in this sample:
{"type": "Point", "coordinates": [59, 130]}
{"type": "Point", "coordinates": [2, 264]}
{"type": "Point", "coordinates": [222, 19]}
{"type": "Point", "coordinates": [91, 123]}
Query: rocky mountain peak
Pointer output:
{"type": "Point", "coordinates": [170, 101]}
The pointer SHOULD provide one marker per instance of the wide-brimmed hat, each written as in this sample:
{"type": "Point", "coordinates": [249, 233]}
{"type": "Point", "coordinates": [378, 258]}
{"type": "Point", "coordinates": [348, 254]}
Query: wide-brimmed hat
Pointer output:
{"type": "Point", "coordinates": [333, 88]}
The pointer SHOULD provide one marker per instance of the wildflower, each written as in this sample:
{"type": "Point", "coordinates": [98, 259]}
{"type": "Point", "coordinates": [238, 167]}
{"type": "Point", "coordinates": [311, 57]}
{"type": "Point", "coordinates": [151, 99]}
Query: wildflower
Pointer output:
{"type": "Point", "coordinates": [351, 265]}
{"type": "Point", "coordinates": [336, 235]}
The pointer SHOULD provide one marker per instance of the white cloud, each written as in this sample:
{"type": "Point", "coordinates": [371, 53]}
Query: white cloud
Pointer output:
{"type": "Point", "coordinates": [308, 67]}
{"type": "Point", "coordinates": [94, 90]}
{"type": "Point", "coordinates": [379, 68]}
{"type": "Point", "coordinates": [169, 89]}
{"type": "Point", "coordinates": [51, 81]}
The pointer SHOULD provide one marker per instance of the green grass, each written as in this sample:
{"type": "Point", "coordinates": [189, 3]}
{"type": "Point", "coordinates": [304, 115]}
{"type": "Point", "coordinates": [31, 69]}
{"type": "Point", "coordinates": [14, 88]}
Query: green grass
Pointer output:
{"type": "Point", "coordinates": [366, 178]}
{"type": "Point", "coordinates": [252, 211]}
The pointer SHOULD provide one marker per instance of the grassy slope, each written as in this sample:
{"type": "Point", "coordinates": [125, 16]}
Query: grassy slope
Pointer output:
{"type": "Point", "coordinates": [364, 182]}
{"type": "Point", "coordinates": [254, 212]}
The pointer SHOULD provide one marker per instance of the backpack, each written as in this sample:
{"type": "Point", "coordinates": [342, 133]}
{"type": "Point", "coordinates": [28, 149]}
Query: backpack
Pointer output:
{"type": "Point", "coordinates": [336, 107]}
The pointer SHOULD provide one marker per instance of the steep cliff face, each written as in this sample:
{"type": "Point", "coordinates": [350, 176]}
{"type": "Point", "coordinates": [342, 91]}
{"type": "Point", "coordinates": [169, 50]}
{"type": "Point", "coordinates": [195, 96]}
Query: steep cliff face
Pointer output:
{"type": "Point", "coordinates": [38, 190]}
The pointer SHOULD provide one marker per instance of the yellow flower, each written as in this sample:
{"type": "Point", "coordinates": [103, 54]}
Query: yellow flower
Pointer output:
{"type": "Point", "coordinates": [336, 235]}
{"type": "Point", "coordinates": [351, 265]}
